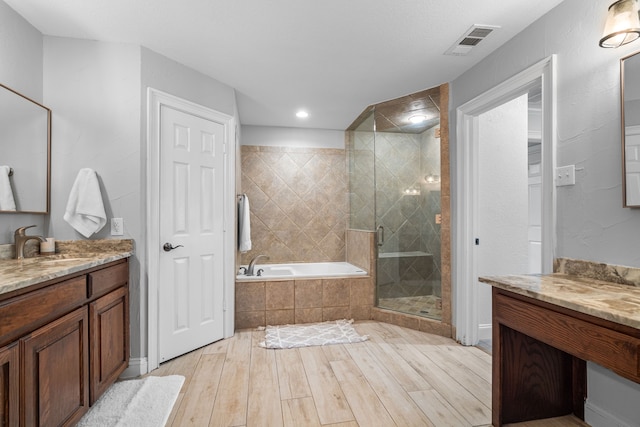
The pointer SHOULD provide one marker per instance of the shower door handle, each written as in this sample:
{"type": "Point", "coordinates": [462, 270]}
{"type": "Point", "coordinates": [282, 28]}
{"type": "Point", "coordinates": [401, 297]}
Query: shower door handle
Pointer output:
{"type": "Point", "coordinates": [380, 233]}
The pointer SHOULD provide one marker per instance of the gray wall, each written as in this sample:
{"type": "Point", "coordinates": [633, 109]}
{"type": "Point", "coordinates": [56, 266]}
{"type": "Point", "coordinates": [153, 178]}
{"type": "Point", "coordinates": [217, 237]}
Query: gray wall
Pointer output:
{"type": "Point", "coordinates": [93, 91]}
{"type": "Point", "coordinates": [97, 93]}
{"type": "Point", "coordinates": [591, 223]}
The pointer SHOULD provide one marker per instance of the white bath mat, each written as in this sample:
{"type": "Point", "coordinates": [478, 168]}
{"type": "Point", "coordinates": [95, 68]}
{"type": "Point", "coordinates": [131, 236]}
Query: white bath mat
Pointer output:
{"type": "Point", "coordinates": [309, 334]}
{"type": "Point", "coordinates": [139, 403]}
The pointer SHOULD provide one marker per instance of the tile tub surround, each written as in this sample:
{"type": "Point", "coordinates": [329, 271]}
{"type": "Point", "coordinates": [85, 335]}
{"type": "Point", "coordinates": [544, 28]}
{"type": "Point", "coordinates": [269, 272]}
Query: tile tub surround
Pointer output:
{"type": "Point", "coordinates": [16, 274]}
{"type": "Point", "coordinates": [279, 302]}
{"type": "Point", "coordinates": [299, 203]}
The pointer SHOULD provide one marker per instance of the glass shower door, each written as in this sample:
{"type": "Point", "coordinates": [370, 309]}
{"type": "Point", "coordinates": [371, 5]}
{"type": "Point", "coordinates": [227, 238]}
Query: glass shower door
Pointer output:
{"type": "Point", "coordinates": [407, 212]}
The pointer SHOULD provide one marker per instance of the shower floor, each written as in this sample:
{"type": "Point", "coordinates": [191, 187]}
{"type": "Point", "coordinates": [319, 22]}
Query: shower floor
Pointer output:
{"type": "Point", "coordinates": [423, 305]}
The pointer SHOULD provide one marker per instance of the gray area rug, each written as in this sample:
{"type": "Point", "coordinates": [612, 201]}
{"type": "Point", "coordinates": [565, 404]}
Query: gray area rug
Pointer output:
{"type": "Point", "coordinates": [135, 403]}
{"type": "Point", "coordinates": [310, 334]}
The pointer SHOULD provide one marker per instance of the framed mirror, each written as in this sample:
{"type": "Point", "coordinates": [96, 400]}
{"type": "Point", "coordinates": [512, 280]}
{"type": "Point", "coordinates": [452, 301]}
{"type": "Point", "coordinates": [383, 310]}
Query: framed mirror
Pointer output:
{"type": "Point", "coordinates": [25, 154]}
{"type": "Point", "coordinates": [630, 101]}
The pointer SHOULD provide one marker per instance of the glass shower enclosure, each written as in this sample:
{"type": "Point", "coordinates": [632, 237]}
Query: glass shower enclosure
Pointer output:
{"type": "Point", "coordinates": [394, 178]}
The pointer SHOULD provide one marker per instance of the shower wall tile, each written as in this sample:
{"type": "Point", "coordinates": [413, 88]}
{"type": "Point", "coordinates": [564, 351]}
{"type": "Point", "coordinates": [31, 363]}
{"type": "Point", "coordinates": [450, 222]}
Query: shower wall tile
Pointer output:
{"type": "Point", "coordinates": [299, 203]}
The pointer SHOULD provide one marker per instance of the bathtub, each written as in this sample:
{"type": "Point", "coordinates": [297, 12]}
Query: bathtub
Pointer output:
{"type": "Point", "coordinates": [303, 271]}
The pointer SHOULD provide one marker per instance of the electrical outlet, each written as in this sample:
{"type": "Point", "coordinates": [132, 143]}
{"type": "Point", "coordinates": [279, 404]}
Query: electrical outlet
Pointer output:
{"type": "Point", "coordinates": [117, 227]}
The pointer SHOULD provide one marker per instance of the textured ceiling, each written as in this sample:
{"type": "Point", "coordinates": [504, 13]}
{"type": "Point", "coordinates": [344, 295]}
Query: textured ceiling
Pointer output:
{"type": "Point", "coordinates": [331, 57]}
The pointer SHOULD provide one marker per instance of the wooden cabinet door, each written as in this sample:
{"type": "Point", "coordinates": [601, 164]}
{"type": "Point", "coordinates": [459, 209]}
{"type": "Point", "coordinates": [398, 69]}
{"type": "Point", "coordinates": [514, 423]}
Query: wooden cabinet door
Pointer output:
{"type": "Point", "coordinates": [56, 371]}
{"type": "Point", "coordinates": [109, 319]}
{"type": "Point", "coordinates": [9, 386]}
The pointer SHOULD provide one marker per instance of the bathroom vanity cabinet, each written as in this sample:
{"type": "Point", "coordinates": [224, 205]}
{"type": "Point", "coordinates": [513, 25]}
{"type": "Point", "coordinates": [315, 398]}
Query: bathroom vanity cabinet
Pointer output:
{"type": "Point", "coordinates": [545, 329]}
{"type": "Point", "coordinates": [63, 342]}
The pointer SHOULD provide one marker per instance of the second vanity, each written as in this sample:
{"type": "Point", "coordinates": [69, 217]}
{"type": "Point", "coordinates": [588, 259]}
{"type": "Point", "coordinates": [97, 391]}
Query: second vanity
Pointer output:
{"type": "Point", "coordinates": [545, 329]}
{"type": "Point", "coordinates": [64, 332]}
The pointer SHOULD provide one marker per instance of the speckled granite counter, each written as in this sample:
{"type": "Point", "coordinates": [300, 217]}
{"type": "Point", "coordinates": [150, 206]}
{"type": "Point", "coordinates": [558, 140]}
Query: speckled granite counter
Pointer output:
{"type": "Point", "coordinates": [606, 300]}
{"type": "Point", "coordinates": [70, 257]}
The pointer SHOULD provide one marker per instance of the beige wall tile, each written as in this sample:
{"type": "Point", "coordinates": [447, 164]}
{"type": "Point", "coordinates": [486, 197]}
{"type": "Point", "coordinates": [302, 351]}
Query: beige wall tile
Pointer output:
{"type": "Point", "coordinates": [336, 313]}
{"type": "Point", "coordinates": [250, 319]}
{"type": "Point", "coordinates": [299, 203]}
{"type": "Point", "coordinates": [279, 295]}
{"type": "Point", "coordinates": [335, 292]}
{"type": "Point", "coordinates": [361, 312]}
{"type": "Point", "coordinates": [308, 293]}
{"type": "Point", "coordinates": [362, 291]}
{"type": "Point", "coordinates": [308, 315]}
{"type": "Point", "coordinates": [279, 317]}
{"type": "Point", "coordinates": [250, 296]}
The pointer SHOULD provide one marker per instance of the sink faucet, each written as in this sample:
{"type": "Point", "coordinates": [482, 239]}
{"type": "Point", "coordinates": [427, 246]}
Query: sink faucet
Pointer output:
{"type": "Point", "coordinates": [21, 238]}
{"type": "Point", "coordinates": [252, 264]}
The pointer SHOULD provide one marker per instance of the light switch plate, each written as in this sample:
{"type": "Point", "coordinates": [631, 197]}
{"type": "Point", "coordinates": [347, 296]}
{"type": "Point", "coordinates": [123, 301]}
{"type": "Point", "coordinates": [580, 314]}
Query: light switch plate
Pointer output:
{"type": "Point", "coordinates": [566, 175]}
{"type": "Point", "coordinates": [117, 227]}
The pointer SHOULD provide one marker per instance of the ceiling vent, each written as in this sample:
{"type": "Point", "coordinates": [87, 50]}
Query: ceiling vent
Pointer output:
{"type": "Point", "coordinates": [470, 39]}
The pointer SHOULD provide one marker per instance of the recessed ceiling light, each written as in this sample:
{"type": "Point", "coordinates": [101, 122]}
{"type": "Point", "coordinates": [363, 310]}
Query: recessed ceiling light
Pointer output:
{"type": "Point", "coordinates": [418, 118]}
{"type": "Point", "coordinates": [302, 114]}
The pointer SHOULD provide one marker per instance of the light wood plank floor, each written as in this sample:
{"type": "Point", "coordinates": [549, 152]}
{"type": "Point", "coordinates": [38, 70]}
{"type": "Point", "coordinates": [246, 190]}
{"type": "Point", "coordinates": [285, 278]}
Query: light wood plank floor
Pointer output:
{"type": "Point", "coordinates": [399, 377]}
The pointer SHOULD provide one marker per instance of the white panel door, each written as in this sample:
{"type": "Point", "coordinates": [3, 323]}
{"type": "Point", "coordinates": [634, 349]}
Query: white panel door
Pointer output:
{"type": "Point", "coordinates": [503, 200]}
{"type": "Point", "coordinates": [191, 221]}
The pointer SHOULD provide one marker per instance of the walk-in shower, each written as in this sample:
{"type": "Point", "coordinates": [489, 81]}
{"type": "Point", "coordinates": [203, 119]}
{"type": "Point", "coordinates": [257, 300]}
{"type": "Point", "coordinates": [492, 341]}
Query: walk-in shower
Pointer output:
{"type": "Point", "coordinates": [395, 189]}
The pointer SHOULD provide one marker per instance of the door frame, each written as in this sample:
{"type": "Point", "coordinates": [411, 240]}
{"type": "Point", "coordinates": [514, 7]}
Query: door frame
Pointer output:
{"type": "Point", "coordinates": [467, 172]}
{"type": "Point", "coordinates": [156, 99]}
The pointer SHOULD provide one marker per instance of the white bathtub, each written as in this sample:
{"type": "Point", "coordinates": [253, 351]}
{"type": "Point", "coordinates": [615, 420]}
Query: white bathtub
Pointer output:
{"type": "Point", "coordinates": [302, 271]}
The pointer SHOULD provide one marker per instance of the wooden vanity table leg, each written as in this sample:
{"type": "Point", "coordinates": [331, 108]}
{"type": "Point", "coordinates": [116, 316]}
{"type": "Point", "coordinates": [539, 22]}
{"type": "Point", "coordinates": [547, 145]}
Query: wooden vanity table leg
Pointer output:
{"type": "Point", "coordinates": [532, 380]}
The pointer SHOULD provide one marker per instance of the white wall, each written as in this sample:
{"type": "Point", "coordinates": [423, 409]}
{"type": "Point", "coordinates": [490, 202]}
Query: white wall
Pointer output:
{"type": "Point", "coordinates": [591, 223]}
{"type": "Point", "coordinates": [292, 137]}
{"type": "Point", "coordinates": [20, 69]}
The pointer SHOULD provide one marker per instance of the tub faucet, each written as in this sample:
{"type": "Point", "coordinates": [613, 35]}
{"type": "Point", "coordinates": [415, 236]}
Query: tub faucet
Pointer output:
{"type": "Point", "coordinates": [252, 264]}
{"type": "Point", "coordinates": [21, 238]}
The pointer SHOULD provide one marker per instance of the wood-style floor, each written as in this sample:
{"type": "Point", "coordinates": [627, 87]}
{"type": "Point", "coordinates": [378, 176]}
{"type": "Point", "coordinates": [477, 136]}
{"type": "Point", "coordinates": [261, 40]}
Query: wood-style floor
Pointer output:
{"type": "Point", "coordinates": [399, 377]}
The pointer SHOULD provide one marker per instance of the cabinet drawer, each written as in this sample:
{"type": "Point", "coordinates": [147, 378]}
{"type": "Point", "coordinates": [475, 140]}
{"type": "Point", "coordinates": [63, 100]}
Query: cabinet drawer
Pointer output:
{"type": "Point", "coordinates": [27, 312]}
{"type": "Point", "coordinates": [588, 341]}
{"type": "Point", "coordinates": [103, 281]}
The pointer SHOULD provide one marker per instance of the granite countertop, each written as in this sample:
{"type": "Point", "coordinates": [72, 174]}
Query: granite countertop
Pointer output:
{"type": "Point", "coordinates": [70, 258]}
{"type": "Point", "coordinates": [611, 301]}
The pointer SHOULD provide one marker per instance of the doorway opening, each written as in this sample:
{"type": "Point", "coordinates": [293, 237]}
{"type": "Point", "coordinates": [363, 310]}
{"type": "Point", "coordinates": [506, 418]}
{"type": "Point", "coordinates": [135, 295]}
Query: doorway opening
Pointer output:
{"type": "Point", "coordinates": [473, 302]}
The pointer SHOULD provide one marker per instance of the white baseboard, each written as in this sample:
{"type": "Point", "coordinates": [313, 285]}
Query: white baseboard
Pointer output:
{"type": "Point", "coordinates": [485, 332]}
{"type": "Point", "coordinates": [137, 367]}
{"type": "Point", "coordinates": [598, 417]}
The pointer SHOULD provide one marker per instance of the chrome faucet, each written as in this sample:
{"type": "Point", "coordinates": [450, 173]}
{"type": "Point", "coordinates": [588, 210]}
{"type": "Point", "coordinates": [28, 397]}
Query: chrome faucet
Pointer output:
{"type": "Point", "coordinates": [21, 239]}
{"type": "Point", "coordinates": [252, 264]}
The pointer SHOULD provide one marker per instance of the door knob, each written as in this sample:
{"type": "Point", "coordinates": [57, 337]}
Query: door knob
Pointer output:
{"type": "Point", "coordinates": [169, 247]}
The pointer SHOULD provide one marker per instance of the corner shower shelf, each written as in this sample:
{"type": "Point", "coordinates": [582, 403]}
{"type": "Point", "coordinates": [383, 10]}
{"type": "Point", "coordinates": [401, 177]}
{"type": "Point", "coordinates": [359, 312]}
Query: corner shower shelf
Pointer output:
{"type": "Point", "coordinates": [403, 254]}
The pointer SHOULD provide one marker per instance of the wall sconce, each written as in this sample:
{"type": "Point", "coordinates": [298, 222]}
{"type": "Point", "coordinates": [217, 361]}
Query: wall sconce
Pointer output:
{"type": "Point", "coordinates": [411, 192]}
{"type": "Point", "coordinates": [623, 24]}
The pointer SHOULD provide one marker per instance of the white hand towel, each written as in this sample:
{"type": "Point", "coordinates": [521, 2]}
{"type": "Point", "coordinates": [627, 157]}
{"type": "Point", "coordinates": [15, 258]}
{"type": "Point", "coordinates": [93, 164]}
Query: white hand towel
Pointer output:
{"type": "Point", "coordinates": [7, 203]}
{"type": "Point", "coordinates": [85, 210]}
{"type": "Point", "coordinates": [244, 226]}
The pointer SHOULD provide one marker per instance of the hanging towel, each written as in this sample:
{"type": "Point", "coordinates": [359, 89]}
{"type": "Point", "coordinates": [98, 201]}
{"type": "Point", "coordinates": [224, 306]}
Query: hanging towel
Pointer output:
{"type": "Point", "coordinates": [7, 203]}
{"type": "Point", "coordinates": [85, 211]}
{"type": "Point", "coordinates": [244, 226]}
